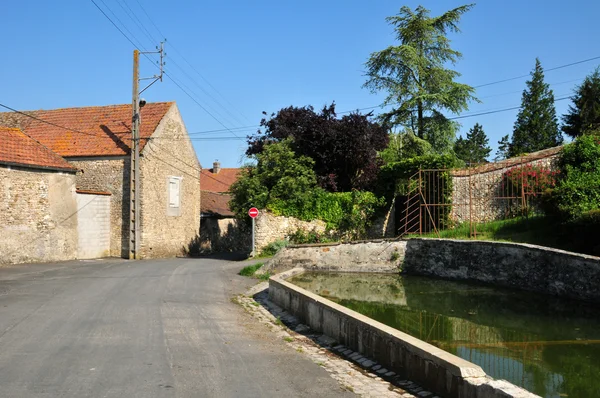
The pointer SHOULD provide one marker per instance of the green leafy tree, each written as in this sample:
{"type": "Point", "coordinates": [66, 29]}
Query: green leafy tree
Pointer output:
{"type": "Point", "coordinates": [578, 188]}
{"type": "Point", "coordinates": [279, 176]}
{"type": "Point", "coordinates": [416, 77]}
{"type": "Point", "coordinates": [475, 148]}
{"type": "Point", "coordinates": [344, 149]}
{"type": "Point", "coordinates": [536, 127]}
{"type": "Point", "coordinates": [405, 145]}
{"type": "Point", "coordinates": [503, 148]}
{"type": "Point", "coordinates": [584, 114]}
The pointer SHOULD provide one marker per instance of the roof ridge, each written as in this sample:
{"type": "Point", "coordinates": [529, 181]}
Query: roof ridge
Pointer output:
{"type": "Point", "coordinates": [91, 106]}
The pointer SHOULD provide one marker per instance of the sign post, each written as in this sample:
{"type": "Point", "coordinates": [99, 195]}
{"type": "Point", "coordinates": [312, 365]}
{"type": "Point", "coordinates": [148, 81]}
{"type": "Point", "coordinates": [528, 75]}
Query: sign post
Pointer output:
{"type": "Point", "coordinates": [253, 213]}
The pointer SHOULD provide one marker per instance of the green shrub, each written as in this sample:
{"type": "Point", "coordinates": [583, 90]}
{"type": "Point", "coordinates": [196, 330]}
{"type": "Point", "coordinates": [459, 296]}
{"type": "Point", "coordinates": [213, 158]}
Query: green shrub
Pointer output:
{"type": "Point", "coordinates": [272, 248]}
{"type": "Point", "coordinates": [302, 237]}
{"type": "Point", "coordinates": [577, 190]}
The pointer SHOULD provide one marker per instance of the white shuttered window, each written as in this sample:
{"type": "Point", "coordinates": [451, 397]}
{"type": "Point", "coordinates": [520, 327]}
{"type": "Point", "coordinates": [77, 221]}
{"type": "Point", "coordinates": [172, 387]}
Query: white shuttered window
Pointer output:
{"type": "Point", "coordinates": [175, 192]}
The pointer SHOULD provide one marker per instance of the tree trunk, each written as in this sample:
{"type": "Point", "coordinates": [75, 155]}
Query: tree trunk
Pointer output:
{"type": "Point", "coordinates": [420, 132]}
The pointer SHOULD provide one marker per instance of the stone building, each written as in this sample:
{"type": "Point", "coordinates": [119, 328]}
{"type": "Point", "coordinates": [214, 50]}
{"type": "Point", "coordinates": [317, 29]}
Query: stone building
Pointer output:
{"type": "Point", "coordinates": [96, 141]}
{"type": "Point", "coordinates": [219, 229]}
{"type": "Point", "coordinates": [38, 203]}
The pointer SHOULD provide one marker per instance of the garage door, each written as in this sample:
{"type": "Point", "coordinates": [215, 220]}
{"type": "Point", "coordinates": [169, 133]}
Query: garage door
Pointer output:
{"type": "Point", "coordinates": [93, 225]}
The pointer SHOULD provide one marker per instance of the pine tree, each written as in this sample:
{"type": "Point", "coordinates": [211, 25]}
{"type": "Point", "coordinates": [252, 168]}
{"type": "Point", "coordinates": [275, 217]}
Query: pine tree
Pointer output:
{"type": "Point", "coordinates": [475, 148]}
{"type": "Point", "coordinates": [503, 149]}
{"type": "Point", "coordinates": [416, 75]}
{"type": "Point", "coordinates": [584, 115]}
{"type": "Point", "coordinates": [536, 127]}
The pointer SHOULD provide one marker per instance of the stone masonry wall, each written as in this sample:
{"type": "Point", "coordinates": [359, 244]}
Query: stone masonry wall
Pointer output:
{"type": "Point", "coordinates": [38, 215]}
{"type": "Point", "coordinates": [479, 196]}
{"type": "Point", "coordinates": [384, 226]}
{"type": "Point", "coordinates": [218, 235]}
{"type": "Point", "coordinates": [110, 174]}
{"type": "Point", "coordinates": [270, 228]}
{"type": "Point", "coordinates": [169, 231]}
{"type": "Point", "coordinates": [514, 265]}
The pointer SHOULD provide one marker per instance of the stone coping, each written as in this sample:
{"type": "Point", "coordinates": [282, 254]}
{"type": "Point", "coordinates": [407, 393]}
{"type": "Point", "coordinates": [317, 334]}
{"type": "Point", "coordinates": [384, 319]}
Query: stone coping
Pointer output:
{"type": "Point", "coordinates": [455, 365]}
{"type": "Point", "coordinates": [539, 248]}
{"type": "Point", "coordinates": [471, 241]}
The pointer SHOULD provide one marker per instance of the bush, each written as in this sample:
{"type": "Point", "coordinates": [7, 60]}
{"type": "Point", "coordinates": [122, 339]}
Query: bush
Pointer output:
{"type": "Point", "coordinates": [302, 237]}
{"type": "Point", "coordinates": [348, 212]}
{"type": "Point", "coordinates": [529, 179]}
{"type": "Point", "coordinates": [577, 190]}
{"type": "Point", "coordinates": [273, 248]}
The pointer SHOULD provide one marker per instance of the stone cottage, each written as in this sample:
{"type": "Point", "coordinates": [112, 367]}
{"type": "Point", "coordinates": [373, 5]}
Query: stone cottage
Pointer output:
{"type": "Point", "coordinates": [37, 201]}
{"type": "Point", "coordinates": [219, 230]}
{"type": "Point", "coordinates": [96, 141]}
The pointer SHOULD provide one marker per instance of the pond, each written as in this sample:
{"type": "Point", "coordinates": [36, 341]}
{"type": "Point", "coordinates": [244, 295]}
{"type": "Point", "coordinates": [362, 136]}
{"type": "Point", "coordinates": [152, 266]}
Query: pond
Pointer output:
{"type": "Point", "coordinates": [546, 345]}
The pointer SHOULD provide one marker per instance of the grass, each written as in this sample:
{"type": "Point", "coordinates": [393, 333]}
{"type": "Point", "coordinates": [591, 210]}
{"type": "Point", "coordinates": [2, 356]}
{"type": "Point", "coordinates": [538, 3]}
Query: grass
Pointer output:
{"type": "Point", "coordinates": [535, 230]}
{"type": "Point", "coordinates": [250, 270]}
{"type": "Point", "coordinates": [288, 339]}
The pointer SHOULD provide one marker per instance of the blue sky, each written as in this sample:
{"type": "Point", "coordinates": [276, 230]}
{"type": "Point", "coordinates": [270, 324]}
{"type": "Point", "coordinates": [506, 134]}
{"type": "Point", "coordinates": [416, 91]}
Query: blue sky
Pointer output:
{"type": "Point", "coordinates": [265, 55]}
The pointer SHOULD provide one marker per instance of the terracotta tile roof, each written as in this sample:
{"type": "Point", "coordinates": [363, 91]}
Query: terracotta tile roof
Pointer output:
{"type": "Point", "coordinates": [215, 203]}
{"type": "Point", "coordinates": [107, 128]}
{"type": "Point", "coordinates": [19, 149]}
{"type": "Point", "coordinates": [219, 182]}
{"type": "Point", "coordinates": [485, 168]}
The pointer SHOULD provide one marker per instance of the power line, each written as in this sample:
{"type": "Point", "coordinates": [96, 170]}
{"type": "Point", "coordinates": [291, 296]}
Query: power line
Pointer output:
{"type": "Point", "coordinates": [198, 103]}
{"type": "Point", "coordinates": [168, 75]}
{"type": "Point", "coordinates": [545, 70]}
{"type": "Point", "coordinates": [189, 64]}
{"type": "Point", "coordinates": [498, 110]}
{"type": "Point", "coordinates": [142, 28]}
{"type": "Point", "coordinates": [225, 130]}
{"type": "Point", "coordinates": [50, 123]}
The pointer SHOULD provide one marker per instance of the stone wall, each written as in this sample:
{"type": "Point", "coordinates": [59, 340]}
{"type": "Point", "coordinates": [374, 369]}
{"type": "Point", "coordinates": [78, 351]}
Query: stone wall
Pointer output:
{"type": "Point", "coordinates": [38, 215]}
{"type": "Point", "coordinates": [166, 230]}
{"type": "Point", "coordinates": [375, 256]}
{"type": "Point", "coordinates": [270, 228]}
{"type": "Point", "coordinates": [109, 174]}
{"type": "Point", "coordinates": [514, 265]}
{"type": "Point", "coordinates": [218, 235]}
{"type": "Point", "coordinates": [477, 193]}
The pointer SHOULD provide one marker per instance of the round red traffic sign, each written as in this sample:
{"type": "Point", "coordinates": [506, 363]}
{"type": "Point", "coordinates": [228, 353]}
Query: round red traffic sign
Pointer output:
{"type": "Point", "coordinates": [253, 212]}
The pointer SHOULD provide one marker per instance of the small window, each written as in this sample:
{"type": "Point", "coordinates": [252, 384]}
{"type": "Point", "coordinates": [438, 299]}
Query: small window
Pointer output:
{"type": "Point", "coordinates": [174, 192]}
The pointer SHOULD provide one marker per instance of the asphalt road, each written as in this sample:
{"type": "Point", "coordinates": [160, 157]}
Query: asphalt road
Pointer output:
{"type": "Point", "coordinates": [156, 328]}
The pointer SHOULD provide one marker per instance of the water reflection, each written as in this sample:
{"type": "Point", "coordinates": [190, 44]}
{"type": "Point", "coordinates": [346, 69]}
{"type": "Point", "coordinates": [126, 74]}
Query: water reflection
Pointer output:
{"type": "Point", "coordinates": [547, 345]}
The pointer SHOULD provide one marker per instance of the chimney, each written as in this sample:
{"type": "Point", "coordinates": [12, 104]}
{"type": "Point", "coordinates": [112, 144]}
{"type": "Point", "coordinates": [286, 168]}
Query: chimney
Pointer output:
{"type": "Point", "coordinates": [216, 167]}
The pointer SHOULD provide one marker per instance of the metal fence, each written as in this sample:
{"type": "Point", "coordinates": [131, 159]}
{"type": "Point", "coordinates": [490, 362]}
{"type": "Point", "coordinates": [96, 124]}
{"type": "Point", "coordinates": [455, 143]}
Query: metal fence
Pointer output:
{"type": "Point", "coordinates": [441, 199]}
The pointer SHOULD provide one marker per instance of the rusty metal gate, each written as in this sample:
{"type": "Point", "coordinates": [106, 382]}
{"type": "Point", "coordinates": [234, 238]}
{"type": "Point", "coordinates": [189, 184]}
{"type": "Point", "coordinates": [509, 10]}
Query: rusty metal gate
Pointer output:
{"type": "Point", "coordinates": [441, 199]}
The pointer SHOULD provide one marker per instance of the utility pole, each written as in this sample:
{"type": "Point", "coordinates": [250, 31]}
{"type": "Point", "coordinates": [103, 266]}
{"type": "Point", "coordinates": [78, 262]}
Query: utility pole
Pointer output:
{"type": "Point", "coordinates": [134, 174]}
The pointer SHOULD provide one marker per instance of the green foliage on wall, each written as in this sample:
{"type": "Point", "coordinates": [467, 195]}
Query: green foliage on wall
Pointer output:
{"type": "Point", "coordinates": [286, 185]}
{"type": "Point", "coordinates": [578, 189]}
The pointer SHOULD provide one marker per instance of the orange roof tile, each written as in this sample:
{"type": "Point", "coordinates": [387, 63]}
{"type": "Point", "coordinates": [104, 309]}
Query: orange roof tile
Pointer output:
{"type": "Point", "coordinates": [218, 182]}
{"type": "Point", "coordinates": [215, 203]}
{"type": "Point", "coordinates": [19, 149]}
{"type": "Point", "coordinates": [96, 130]}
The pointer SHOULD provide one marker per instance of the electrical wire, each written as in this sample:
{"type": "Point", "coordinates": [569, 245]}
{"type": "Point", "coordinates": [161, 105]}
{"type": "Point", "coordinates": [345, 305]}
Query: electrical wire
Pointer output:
{"type": "Point", "coordinates": [168, 75]}
{"type": "Point", "coordinates": [50, 123]}
{"type": "Point", "coordinates": [192, 66]}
